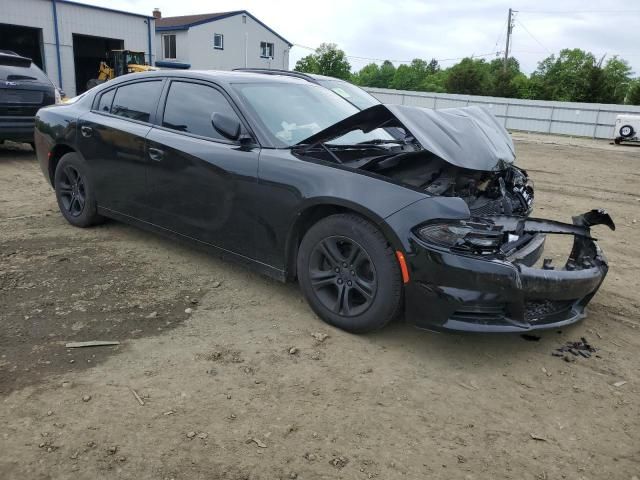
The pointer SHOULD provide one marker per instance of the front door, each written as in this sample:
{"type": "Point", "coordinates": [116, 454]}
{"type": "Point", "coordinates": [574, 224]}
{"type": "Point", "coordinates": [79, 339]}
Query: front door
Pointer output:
{"type": "Point", "coordinates": [201, 183]}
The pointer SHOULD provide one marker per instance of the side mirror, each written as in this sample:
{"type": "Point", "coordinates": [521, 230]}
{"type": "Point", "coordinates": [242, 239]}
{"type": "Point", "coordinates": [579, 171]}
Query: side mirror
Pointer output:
{"type": "Point", "coordinates": [227, 126]}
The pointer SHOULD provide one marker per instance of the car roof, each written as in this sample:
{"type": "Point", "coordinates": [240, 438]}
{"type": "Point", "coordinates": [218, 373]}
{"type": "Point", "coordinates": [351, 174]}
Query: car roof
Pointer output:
{"type": "Point", "coordinates": [12, 54]}
{"type": "Point", "coordinates": [219, 76]}
{"type": "Point", "coordinates": [312, 77]}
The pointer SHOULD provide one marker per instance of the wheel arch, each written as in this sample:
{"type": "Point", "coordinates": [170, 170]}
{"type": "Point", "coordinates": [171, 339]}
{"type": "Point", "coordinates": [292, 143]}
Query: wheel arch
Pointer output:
{"type": "Point", "coordinates": [317, 209]}
{"type": "Point", "coordinates": [55, 154]}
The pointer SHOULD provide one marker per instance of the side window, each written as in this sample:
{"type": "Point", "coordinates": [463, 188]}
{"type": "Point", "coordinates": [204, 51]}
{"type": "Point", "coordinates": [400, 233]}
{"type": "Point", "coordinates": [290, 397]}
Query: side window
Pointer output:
{"type": "Point", "coordinates": [189, 108]}
{"type": "Point", "coordinates": [104, 105]}
{"type": "Point", "coordinates": [137, 100]}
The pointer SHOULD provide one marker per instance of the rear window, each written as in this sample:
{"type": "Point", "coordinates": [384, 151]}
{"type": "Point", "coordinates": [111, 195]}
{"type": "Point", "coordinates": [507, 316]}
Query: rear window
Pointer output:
{"type": "Point", "coordinates": [105, 101]}
{"type": "Point", "coordinates": [12, 73]}
{"type": "Point", "coordinates": [137, 100]}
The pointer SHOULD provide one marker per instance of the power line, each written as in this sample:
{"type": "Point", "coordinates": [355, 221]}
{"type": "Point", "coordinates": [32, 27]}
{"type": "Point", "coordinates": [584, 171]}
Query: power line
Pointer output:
{"type": "Point", "coordinates": [531, 35]}
{"type": "Point", "coordinates": [574, 12]}
{"type": "Point", "coordinates": [597, 54]}
{"type": "Point", "coordinates": [495, 47]}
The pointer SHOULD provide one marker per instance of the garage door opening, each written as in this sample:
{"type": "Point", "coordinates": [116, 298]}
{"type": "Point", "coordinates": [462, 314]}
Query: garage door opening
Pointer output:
{"type": "Point", "coordinates": [25, 41]}
{"type": "Point", "coordinates": [88, 52]}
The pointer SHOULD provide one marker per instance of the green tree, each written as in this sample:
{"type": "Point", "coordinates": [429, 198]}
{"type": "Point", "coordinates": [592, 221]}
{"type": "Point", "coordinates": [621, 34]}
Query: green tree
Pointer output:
{"type": "Point", "coordinates": [522, 85]}
{"type": "Point", "coordinates": [410, 77]}
{"type": "Point", "coordinates": [568, 77]}
{"type": "Point", "coordinates": [470, 77]}
{"type": "Point", "coordinates": [435, 82]}
{"type": "Point", "coordinates": [367, 76]}
{"type": "Point", "coordinates": [308, 64]}
{"type": "Point", "coordinates": [503, 83]}
{"type": "Point", "coordinates": [616, 80]}
{"type": "Point", "coordinates": [433, 67]}
{"type": "Point", "coordinates": [372, 75]}
{"type": "Point", "coordinates": [328, 60]}
{"type": "Point", "coordinates": [633, 93]}
{"type": "Point", "coordinates": [387, 72]}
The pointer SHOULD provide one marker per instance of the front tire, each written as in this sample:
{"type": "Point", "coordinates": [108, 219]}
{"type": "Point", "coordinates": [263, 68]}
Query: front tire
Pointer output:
{"type": "Point", "coordinates": [74, 192]}
{"type": "Point", "coordinates": [349, 274]}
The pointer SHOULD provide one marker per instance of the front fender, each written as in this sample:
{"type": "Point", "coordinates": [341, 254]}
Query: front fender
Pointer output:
{"type": "Point", "coordinates": [433, 208]}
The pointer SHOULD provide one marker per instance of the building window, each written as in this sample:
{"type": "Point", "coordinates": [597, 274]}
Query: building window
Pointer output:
{"type": "Point", "coordinates": [169, 46]}
{"type": "Point", "coordinates": [244, 19]}
{"type": "Point", "coordinates": [266, 50]}
{"type": "Point", "coordinates": [218, 41]}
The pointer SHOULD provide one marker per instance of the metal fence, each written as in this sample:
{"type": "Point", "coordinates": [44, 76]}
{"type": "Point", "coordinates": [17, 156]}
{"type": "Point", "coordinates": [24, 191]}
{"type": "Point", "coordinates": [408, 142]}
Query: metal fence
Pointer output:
{"type": "Point", "coordinates": [594, 120]}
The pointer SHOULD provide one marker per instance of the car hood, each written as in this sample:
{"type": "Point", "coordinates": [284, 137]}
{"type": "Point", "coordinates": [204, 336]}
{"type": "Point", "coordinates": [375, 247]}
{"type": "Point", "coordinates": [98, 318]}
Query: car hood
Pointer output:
{"type": "Point", "coordinates": [467, 137]}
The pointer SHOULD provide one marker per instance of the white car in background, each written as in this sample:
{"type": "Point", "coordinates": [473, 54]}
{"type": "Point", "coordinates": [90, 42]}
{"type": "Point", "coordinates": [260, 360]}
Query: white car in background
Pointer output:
{"type": "Point", "coordinates": [627, 129]}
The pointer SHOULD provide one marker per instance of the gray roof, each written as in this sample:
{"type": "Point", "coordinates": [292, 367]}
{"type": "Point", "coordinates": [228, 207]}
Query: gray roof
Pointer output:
{"type": "Point", "coordinates": [184, 22]}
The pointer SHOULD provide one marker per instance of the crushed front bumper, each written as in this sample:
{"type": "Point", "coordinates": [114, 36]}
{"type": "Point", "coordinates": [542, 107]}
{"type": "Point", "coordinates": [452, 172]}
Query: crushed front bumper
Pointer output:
{"type": "Point", "coordinates": [449, 291]}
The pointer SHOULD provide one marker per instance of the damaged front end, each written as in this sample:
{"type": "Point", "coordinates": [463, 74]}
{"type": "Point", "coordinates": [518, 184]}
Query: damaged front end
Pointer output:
{"type": "Point", "coordinates": [458, 152]}
{"type": "Point", "coordinates": [472, 252]}
{"type": "Point", "coordinates": [481, 274]}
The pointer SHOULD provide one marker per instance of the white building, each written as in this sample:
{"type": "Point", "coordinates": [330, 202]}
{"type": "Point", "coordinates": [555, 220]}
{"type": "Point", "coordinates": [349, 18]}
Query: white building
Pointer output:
{"type": "Point", "coordinates": [219, 41]}
{"type": "Point", "coordinates": [68, 39]}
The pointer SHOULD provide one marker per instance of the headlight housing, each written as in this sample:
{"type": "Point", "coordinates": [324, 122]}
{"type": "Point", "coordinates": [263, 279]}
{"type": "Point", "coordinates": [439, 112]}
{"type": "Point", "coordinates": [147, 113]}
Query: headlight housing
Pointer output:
{"type": "Point", "coordinates": [464, 236]}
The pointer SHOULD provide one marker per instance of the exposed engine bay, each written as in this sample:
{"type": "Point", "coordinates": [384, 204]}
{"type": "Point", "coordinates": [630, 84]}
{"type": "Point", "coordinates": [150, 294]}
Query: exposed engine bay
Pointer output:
{"type": "Point", "coordinates": [462, 152]}
{"type": "Point", "coordinates": [504, 192]}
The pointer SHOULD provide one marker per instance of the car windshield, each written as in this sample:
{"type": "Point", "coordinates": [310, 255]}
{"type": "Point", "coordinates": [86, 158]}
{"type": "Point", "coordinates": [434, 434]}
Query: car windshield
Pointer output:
{"type": "Point", "coordinates": [350, 93]}
{"type": "Point", "coordinates": [292, 112]}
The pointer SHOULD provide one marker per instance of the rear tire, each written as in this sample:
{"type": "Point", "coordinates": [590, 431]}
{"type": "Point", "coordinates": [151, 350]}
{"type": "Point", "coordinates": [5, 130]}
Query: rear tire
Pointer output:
{"type": "Point", "coordinates": [74, 192]}
{"type": "Point", "coordinates": [349, 274]}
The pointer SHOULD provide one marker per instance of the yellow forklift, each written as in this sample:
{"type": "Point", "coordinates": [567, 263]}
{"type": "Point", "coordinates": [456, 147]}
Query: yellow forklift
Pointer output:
{"type": "Point", "coordinates": [120, 62]}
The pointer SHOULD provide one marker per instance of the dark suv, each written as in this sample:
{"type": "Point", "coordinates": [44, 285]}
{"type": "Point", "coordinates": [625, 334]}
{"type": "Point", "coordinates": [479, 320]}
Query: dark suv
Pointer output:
{"type": "Point", "coordinates": [24, 89]}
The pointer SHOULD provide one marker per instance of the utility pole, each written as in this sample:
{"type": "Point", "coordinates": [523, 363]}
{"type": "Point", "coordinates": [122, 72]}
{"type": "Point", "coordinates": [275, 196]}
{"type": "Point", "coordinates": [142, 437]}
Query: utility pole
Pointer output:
{"type": "Point", "coordinates": [509, 29]}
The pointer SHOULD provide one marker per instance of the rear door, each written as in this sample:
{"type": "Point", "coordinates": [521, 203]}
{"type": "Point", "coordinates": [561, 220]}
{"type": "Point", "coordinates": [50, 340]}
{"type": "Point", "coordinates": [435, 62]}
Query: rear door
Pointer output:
{"type": "Point", "coordinates": [200, 183]}
{"type": "Point", "coordinates": [111, 138]}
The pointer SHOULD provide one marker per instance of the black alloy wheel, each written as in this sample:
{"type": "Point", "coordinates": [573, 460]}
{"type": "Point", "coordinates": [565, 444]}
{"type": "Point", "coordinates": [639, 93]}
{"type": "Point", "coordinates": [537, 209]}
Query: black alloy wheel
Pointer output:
{"type": "Point", "coordinates": [72, 191]}
{"type": "Point", "coordinates": [76, 198]}
{"type": "Point", "coordinates": [349, 273]}
{"type": "Point", "coordinates": [343, 276]}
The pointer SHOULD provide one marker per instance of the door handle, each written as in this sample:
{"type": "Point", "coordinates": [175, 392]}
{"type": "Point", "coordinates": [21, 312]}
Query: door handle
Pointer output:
{"type": "Point", "coordinates": [86, 131]}
{"type": "Point", "coordinates": [156, 154]}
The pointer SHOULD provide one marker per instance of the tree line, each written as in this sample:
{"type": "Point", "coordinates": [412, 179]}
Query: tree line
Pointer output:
{"type": "Point", "coordinates": [573, 75]}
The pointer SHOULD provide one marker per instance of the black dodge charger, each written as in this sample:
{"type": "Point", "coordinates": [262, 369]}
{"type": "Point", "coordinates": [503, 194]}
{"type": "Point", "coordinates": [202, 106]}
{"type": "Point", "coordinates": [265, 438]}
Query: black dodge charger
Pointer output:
{"type": "Point", "coordinates": [388, 211]}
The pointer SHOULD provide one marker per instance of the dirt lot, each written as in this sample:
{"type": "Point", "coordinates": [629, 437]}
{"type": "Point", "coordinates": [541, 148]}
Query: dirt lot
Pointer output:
{"type": "Point", "coordinates": [225, 399]}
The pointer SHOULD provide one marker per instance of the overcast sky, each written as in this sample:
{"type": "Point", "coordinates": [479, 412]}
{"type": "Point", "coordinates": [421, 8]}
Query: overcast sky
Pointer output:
{"type": "Point", "coordinates": [401, 30]}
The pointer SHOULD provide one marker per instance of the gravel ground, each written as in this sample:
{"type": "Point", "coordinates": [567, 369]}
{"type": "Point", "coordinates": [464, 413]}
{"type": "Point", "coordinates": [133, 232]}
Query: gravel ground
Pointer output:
{"type": "Point", "coordinates": [239, 381]}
